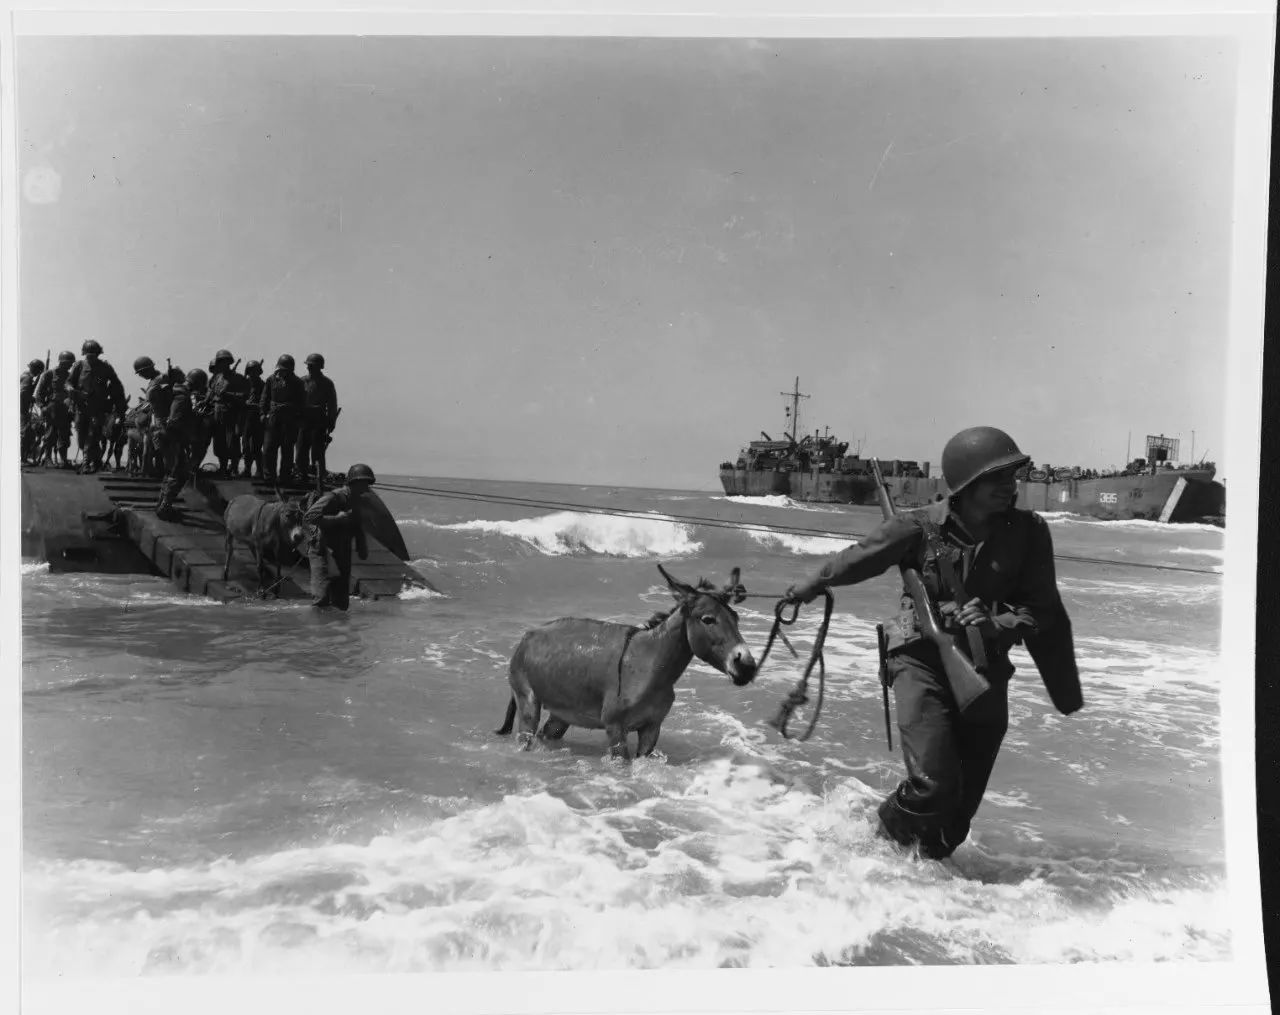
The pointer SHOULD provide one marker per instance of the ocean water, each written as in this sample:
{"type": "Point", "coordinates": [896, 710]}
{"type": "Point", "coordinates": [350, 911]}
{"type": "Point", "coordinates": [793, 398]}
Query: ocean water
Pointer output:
{"type": "Point", "coordinates": [251, 788]}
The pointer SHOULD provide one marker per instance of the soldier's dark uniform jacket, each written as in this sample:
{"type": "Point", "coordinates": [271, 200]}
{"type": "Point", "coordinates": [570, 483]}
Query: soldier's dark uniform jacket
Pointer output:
{"type": "Point", "coordinates": [96, 386]}
{"type": "Point", "coordinates": [282, 396]}
{"type": "Point", "coordinates": [159, 396]}
{"type": "Point", "coordinates": [228, 392]}
{"type": "Point", "coordinates": [181, 420]}
{"type": "Point", "coordinates": [255, 386]}
{"type": "Point", "coordinates": [52, 387]}
{"type": "Point", "coordinates": [327, 529]}
{"type": "Point", "coordinates": [1012, 572]}
{"type": "Point", "coordinates": [320, 399]}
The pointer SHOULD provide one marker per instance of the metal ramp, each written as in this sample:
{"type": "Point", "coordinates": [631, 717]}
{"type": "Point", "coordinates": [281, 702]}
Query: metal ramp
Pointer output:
{"type": "Point", "coordinates": [191, 552]}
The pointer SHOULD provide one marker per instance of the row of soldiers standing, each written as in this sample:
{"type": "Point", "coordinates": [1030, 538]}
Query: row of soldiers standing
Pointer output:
{"type": "Point", "coordinates": [281, 425]}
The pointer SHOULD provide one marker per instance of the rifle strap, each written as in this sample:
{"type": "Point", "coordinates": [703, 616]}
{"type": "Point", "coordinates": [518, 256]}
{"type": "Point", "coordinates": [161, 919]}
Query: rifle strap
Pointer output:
{"type": "Point", "coordinates": [943, 556]}
{"type": "Point", "coordinates": [945, 559]}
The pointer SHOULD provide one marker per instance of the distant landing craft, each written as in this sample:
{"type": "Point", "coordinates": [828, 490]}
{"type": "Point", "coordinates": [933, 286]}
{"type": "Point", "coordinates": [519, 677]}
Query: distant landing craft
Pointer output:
{"type": "Point", "coordinates": [816, 468]}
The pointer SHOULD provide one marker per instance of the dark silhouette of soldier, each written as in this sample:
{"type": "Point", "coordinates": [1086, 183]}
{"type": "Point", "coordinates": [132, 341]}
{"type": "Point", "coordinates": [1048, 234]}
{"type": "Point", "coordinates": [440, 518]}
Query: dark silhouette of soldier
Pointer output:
{"type": "Point", "coordinates": [252, 431]}
{"type": "Point", "coordinates": [173, 435]}
{"type": "Point", "coordinates": [26, 402]}
{"type": "Point", "coordinates": [281, 409]}
{"type": "Point", "coordinates": [158, 398]}
{"type": "Point", "coordinates": [319, 414]}
{"type": "Point", "coordinates": [52, 399]}
{"type": "Point", "coordinates": [96, 391]}
{"type": "Point", "coordinates": [228, 393]}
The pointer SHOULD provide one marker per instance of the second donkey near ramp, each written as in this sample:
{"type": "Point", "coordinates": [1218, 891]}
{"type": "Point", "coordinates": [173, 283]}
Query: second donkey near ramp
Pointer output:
{"type": "Point", "coordinates": [273, 531]}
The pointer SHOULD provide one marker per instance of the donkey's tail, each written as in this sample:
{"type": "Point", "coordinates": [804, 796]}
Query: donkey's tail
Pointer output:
{"type": "Point", "coordinates": [509, 721]}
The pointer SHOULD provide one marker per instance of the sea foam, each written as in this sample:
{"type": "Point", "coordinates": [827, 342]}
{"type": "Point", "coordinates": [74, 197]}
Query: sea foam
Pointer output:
{"type": "Point", "coordinates": [717, 864]}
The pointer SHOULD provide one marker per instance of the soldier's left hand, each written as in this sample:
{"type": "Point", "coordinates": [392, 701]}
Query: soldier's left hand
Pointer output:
{"type": "Point", "coordinates": [973, 612]}
{"type": "Point", "coordinates": [802, 592]}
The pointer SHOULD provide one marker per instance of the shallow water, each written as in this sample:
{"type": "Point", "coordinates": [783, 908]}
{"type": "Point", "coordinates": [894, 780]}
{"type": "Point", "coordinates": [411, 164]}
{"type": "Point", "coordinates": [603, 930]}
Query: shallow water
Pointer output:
{"type": "Point", "coordinates": [251, 787]}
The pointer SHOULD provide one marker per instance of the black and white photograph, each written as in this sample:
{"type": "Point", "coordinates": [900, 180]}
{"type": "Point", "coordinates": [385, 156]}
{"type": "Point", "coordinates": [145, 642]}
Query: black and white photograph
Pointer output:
{"type": "Point", "coordinates": [693, 513]}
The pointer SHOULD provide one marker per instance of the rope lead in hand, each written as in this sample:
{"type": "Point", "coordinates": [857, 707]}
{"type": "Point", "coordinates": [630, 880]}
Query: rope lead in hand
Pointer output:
{"type": "Point", "coordinates": [800, 693]}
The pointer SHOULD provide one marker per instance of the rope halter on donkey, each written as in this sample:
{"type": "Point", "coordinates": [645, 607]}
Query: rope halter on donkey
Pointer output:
{"type": "Point", "coordinates": [731, 593]}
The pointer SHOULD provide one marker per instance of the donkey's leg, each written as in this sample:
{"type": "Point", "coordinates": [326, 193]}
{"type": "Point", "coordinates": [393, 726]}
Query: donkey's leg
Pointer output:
{"type": "Point", "coordinates": [648, 738]}
{"type": "Point", "coordinates": [529, 710]}
{"type": "Point", "coordinates": [262, 569]}
{"type": "Point", "coordinates": [554, 728]}
{"type": "Point", "coordinates": [617, 734]}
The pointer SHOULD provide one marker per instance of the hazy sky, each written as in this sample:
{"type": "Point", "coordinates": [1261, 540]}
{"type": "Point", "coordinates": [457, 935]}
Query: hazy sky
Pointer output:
{"type": "Point", "coordinates": [601, 260]}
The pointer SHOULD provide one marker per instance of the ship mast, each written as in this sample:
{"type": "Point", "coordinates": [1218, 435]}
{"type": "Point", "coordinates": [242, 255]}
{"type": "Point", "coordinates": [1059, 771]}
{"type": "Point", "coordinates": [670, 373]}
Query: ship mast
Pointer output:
{"type": "Point", "coordinates": [795, 397]}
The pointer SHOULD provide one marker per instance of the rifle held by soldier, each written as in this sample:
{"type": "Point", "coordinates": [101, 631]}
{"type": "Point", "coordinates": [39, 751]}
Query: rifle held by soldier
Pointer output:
{"type": "Point", "coordinates": [962, 675]}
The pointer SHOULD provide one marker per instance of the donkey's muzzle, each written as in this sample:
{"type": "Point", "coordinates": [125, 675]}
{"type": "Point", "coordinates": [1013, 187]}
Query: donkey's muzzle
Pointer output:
{"type": "Point", "coordinates": [742, 666]}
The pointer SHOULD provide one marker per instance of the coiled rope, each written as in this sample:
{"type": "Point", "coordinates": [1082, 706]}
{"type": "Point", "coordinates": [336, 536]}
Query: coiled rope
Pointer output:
{"type": "Point", "coordinates": [799, 695]}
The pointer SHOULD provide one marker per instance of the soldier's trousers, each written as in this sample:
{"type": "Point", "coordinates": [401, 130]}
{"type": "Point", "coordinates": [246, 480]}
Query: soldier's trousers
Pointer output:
{"type": "Point", "coordinates": [57, 436]}
{"type": "Point", "coordinates": [328, 589]}
{"type": "Point", "coordinates": [226, 439]}
{"type": "Point", "coordinates": [949, 754]}
{"type": "Point", "coordinates": [312, 444]}
{"type": "Point", "coordinates": [251, 441]}
{"type": "Point", "coordinates": [91, 435]}
{"type": "Point", "coordinates": [278, 436]}
{"type": "Point", "coordinates": [202, 435]}
{"type": "Point", "coordinates": [175, 454]}
{"type": "Point", "coordinates": [29, 436]}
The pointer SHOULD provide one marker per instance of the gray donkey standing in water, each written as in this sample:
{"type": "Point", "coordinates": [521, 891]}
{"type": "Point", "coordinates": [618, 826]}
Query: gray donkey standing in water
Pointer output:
{"type": "Point", "coordinates": [621, 678]}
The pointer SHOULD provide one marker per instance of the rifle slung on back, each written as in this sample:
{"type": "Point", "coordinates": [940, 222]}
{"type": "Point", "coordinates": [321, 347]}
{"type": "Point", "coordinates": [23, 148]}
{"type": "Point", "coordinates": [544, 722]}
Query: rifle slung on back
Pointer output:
{"type": "Point", "coordinates": [966, 682]}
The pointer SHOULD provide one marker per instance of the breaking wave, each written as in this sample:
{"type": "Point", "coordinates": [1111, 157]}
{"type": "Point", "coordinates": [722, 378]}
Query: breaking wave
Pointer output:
{"type": "Point", "coordinates": [571, 532]}
{"type": "Point", "coordinates": [781, 500]}
{"type": "Point", "coordinates": [807, 546]}
{"type": "Point", "coordinates": [412, 593]}
{"type": "Point", "coordinates": [1063, 517]}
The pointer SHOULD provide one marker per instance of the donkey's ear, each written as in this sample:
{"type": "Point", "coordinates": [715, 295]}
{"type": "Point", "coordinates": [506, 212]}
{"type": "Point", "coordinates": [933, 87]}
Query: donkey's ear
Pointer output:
{"type": "Point", "coordinates": [678, 588]}
{"type": "Point", "coordinates": [735, 591]}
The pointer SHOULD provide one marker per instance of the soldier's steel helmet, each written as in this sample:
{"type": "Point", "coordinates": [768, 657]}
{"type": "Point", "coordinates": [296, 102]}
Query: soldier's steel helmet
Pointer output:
{"type": "Point", "coordinates": [91, 346]}
{"type": "Point", "coordinates": [36, 366]}
{"type": "Point", "coordinates": [285, 361]}
{"type": "Point", "coordinates": [176, 376]}
{"type": "Point", "coordinates": [197, 378]}
{"type": "Point", "coordinates": [223, 356]}
{"type": "Point", "coordinates": [360, 473]}
{"type": "Point", "coordinates": [254, 366]}
{"type": "Point", "coordinates": [315, 360]}
{"type": "Point", "coordinates": [974, 452]}
{"type": "Point", "coordinates": [143, 363]}
{"type": "Point", "coordinates": [66, 356]}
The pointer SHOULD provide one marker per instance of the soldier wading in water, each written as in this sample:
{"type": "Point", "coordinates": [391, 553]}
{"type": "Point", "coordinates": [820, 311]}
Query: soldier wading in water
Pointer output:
{"type": "Point", "coordinates": [986, 565]}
